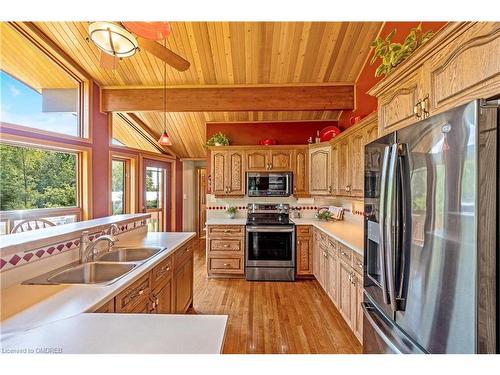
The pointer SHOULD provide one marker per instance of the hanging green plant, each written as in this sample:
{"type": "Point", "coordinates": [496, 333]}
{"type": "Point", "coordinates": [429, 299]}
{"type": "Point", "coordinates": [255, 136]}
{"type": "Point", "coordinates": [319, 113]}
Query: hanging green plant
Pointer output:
{"type": "Point", "coordinates": [393, 54]}
{"type": "Point", "coordinates": [218, 139]}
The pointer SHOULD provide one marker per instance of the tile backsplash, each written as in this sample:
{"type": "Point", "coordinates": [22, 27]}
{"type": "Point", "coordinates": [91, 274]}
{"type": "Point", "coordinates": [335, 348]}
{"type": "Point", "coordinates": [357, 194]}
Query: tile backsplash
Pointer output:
{"type": "Point", "coordinates": [216, 207]}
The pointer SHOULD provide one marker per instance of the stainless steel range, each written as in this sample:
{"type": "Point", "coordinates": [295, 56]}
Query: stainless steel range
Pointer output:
{"type": "Point", "coordinates": [270, 243]}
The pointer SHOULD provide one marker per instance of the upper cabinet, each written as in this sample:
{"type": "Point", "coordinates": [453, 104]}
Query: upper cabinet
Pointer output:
{"type": "Point", "coordinates": [229, 164]}
{"type": "Point", "coordinates": [300, 161]}
{"type": "Point", "coordinates": [277, 160]}
{"type": "Point", "coordinates": [459, 64]}
{"type": "Point", "coordinates": [228, 174]}
{"type": "Point", "coordinates": [320, 170]}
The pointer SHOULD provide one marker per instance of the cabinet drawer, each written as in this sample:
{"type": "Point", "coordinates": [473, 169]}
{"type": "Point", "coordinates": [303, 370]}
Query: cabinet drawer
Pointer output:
{"type": "Point", "coordinates": [332, 247]}
{"type": "Point", "coordinates": [304, 230]}
{"type": "Point", "coordinates": [226, 230]}
{"type": "Point", "coordinates": [135, 294]}
{"type": "Point", "coordinates": [226, 265]}
{"type": "Point", "coordinates": [231, 245]}
{"type": "Point", "coordinates": [357, 262]}
{"type": "Point", "coordinates": [345, 254]}
{"type": "Point", "coordinates": [183, 254]}
{"type": "Point", "coordinates": [162, 272]}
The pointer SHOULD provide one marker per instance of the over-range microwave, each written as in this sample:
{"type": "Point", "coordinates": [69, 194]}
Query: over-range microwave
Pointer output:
{"type": "Point", "coordinates": [269, 184]}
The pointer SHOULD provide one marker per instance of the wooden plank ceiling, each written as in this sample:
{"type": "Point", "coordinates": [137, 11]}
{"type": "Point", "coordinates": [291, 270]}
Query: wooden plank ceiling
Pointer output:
{"type": "Point", "coordinates": [231, 53]}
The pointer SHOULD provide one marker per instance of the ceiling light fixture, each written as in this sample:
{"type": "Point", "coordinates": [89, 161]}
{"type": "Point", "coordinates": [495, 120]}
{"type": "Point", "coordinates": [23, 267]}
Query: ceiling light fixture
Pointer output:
{"type": "Point", "coordinates": [164, 138]}
{"type": "Point", "coordinates": [112, 39]}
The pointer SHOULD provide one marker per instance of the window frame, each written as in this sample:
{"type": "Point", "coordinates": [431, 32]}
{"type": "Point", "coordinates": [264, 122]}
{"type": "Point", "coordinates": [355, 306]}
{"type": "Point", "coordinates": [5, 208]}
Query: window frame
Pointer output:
{"type": "Point", "coordinates": [130, 181]}
{"type": "Point", "coordinates": [42, 43]}
{"type": "Point", "coordinates": [83, 209]}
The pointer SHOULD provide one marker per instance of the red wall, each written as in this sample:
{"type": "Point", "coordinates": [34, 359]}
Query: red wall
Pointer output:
{"type": "Point", "coordinates": [367, 104]}
{"type": "Point", "coordinates": [100, 158]}
{"type": "Point", "coordinates": [286, 133]}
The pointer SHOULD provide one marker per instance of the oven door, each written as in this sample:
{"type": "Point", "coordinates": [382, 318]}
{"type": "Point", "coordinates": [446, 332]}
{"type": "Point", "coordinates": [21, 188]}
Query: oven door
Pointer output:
{"type": "Point", "coordinates": [270, 246]}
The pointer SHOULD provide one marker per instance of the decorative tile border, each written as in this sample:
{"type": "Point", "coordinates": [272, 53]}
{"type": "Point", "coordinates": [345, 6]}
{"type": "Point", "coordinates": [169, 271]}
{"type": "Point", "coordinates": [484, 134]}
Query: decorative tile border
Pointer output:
{"type": "Point", "coordinates": [299, 208]}
{"type": "Point", "coordinates": [27, 256]}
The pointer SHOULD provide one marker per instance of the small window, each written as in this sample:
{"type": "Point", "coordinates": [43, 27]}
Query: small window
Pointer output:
{"type": "Point", "coordinates": [118, 181]}
{"type": "Point", "coordinates": [36, 92]}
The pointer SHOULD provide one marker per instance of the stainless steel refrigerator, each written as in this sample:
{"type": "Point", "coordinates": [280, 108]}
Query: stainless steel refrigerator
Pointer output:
{"type": "Point", "coordinates": [431, 235]}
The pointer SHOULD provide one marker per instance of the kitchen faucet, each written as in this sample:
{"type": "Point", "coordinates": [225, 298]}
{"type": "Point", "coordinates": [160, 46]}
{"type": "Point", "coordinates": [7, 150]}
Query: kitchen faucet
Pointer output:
{"type": "Point", "coordinates": [88, 249]}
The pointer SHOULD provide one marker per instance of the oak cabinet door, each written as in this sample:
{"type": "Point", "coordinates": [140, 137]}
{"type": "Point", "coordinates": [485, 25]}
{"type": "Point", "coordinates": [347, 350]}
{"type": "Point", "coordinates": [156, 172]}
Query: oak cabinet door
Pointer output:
{"type": "Point", "coordinates": [280, 160]}
{"type": "Point", "coordinates": [344, 168]}
{"type": "Point", "coordinates": [183, 283]}
{"type": "Point", "coordinates": [304, 255]}
{"type": "Point", "coordinates": [335, 169]}
{"type": "Point", "coordinates": [345, 291]}
{"type": "Point", "coordinates": [467, 68]}
{"type": "Point", "coordinates": [316, 254]}
{"type": "Point", "coordinates": [357, 311]}
{"type": "Point", "coordinates": [257, 160]}
{"type": "Point", "coordinates": [333, 278]}
{"type": "Point", "coordinates": [396, 107]}
{"type": "Point", "coordinates": [164, 299]}
{"type": "Point", "coordinates": [219, 169]}
{"type": "Point", "coordinates": [235, 173]}
{"type": "Point", "coordinates": [323, 263]}
{"type": "Point", "coordinates": [301, 173]}
{"type": "Point", "coordinates": [356, 151]}
{"type": "Point", "coordinates": [108, 307]}
{"type": "Point", "coordinates": [320, 171]}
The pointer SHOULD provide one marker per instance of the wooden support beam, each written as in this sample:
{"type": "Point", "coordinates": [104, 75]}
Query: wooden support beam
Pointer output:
{"type": "Point", "coordinates": [145, 131]}
{"type": "Point", "coordinates": [229, 98]}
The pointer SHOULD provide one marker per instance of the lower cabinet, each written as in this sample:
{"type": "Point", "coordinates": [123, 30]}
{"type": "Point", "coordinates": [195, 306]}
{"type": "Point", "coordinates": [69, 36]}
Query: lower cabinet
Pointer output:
{"type": "Point", "coordinates": [166, 289]}
{"type": "Point", "coordinates": [338, 270]}
{"type": "Point", "coordinates": [225, 250]}
{"type": "Point", "coordinates": [183, 286]}
{"type": "Point", "coordinates": [304, 247]}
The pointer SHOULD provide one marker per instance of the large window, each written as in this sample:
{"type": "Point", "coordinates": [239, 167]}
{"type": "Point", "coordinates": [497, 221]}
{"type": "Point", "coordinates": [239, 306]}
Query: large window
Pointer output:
{"type": "Point", "coordinates": [35, 91]}
{"type": "Point", "coordinates": [37, 183]}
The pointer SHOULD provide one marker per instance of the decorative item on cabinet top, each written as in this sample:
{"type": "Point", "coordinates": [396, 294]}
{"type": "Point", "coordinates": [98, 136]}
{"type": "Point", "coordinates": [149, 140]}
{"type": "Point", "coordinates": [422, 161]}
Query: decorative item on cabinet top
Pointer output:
{"type": "Point", "coordinates": [30, 256]}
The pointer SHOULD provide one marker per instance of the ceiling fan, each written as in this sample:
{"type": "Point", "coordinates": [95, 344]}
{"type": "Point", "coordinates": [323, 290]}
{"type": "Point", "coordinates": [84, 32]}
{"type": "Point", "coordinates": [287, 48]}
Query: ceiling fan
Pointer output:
{"type": "Point", "coordinates": [119, 40]}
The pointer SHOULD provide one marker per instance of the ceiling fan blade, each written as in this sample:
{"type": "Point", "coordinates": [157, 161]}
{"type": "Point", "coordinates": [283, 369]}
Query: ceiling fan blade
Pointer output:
{"type": "Point", "coordinates": [108, 61]}
{"type": "Point", "coordinates": [163, 53]}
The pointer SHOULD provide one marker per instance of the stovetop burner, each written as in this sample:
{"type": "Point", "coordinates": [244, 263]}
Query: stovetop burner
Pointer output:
{"type": "Point", "coordinates": [268, 214]}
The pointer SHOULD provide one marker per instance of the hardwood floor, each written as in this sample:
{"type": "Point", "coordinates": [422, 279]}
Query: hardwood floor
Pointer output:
{"type": "Point", "coordinates": [272, 317]}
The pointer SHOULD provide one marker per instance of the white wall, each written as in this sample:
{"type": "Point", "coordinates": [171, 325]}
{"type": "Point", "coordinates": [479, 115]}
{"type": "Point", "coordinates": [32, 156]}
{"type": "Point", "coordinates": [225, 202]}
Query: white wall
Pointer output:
{"type": "Point", "coordinates": [189, 199]}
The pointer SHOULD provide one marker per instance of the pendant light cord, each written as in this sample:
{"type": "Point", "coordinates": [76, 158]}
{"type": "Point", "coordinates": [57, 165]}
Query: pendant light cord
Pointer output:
{"type": "Point", "coordinates": [165, 90]}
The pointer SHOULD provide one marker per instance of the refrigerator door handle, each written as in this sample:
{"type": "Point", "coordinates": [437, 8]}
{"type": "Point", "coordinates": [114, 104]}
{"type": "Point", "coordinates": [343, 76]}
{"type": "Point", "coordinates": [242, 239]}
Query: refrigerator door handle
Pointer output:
{"type": "Point", "coordinates": [389, 228]}
{"type": "Point", "coordinates": [405, 226]}
{"type": "Point", "coordinates": [369, 312]}
{"type": "Point", "coordinates": [383, 188]}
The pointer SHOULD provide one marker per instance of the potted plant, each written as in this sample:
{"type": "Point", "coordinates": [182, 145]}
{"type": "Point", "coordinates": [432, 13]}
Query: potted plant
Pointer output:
{"type": "Point", "coordinates": [392, 54]}
{"type": "Point", "coordinates": [231, 212]}
{"type": "Point", "coordinates": [218, 139]}
{"type": "Point", "coordinates": [324, 216]}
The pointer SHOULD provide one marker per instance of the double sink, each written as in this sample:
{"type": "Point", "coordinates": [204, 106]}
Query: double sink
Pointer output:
{"type": "Point", "coordinates": [106, 269]}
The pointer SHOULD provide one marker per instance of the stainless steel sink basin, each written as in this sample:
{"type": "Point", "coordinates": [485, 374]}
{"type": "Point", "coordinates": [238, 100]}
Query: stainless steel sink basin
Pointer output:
{"type": "Point", "coordinates": [130, 254]}
{"type": "Point", "coordinates": [92, 273]}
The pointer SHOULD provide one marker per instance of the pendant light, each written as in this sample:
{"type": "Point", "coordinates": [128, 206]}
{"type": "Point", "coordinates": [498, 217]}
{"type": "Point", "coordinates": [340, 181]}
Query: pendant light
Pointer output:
{"type": "Point", "coordinates": [164, 138]}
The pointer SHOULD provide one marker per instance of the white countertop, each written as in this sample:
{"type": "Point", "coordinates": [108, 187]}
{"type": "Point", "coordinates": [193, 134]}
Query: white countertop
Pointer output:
{"type": "Point", "coordinates": [125, 334]}
{"type": "Point", "coordinates": [349, 234]}
{"type": "Point", "coordinates": [26, 306]}
{"type": "Point", "coordinates": [227, 221]}
{"type": "Point", "coordinates": [12, 243]}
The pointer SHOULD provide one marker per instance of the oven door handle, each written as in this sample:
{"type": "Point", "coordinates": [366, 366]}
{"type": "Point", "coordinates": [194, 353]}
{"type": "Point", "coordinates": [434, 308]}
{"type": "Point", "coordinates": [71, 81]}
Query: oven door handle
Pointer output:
{"type": "Point", "coordinates": [270, 230]}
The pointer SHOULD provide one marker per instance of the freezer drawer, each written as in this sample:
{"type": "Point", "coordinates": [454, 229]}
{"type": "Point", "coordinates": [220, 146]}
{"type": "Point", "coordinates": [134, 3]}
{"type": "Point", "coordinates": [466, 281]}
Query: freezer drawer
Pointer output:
{"type": "Point", "coordinates": [381, 336]}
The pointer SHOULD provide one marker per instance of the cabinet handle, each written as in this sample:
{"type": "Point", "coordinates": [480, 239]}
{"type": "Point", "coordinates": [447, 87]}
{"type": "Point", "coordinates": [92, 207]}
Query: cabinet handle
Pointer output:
{"type": "Point", "coordinates": [425, 107]}
{"type": "Point", "coordinates": [226, 245]}
{"type": "Point", "coordinates": [226, 264]}
{"type": "Point", "coordinates": [417, 110]}
{"type": "Point", "coordinates": [330, 189]}
{"type": "Point", "coordinates": [348, 188]}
